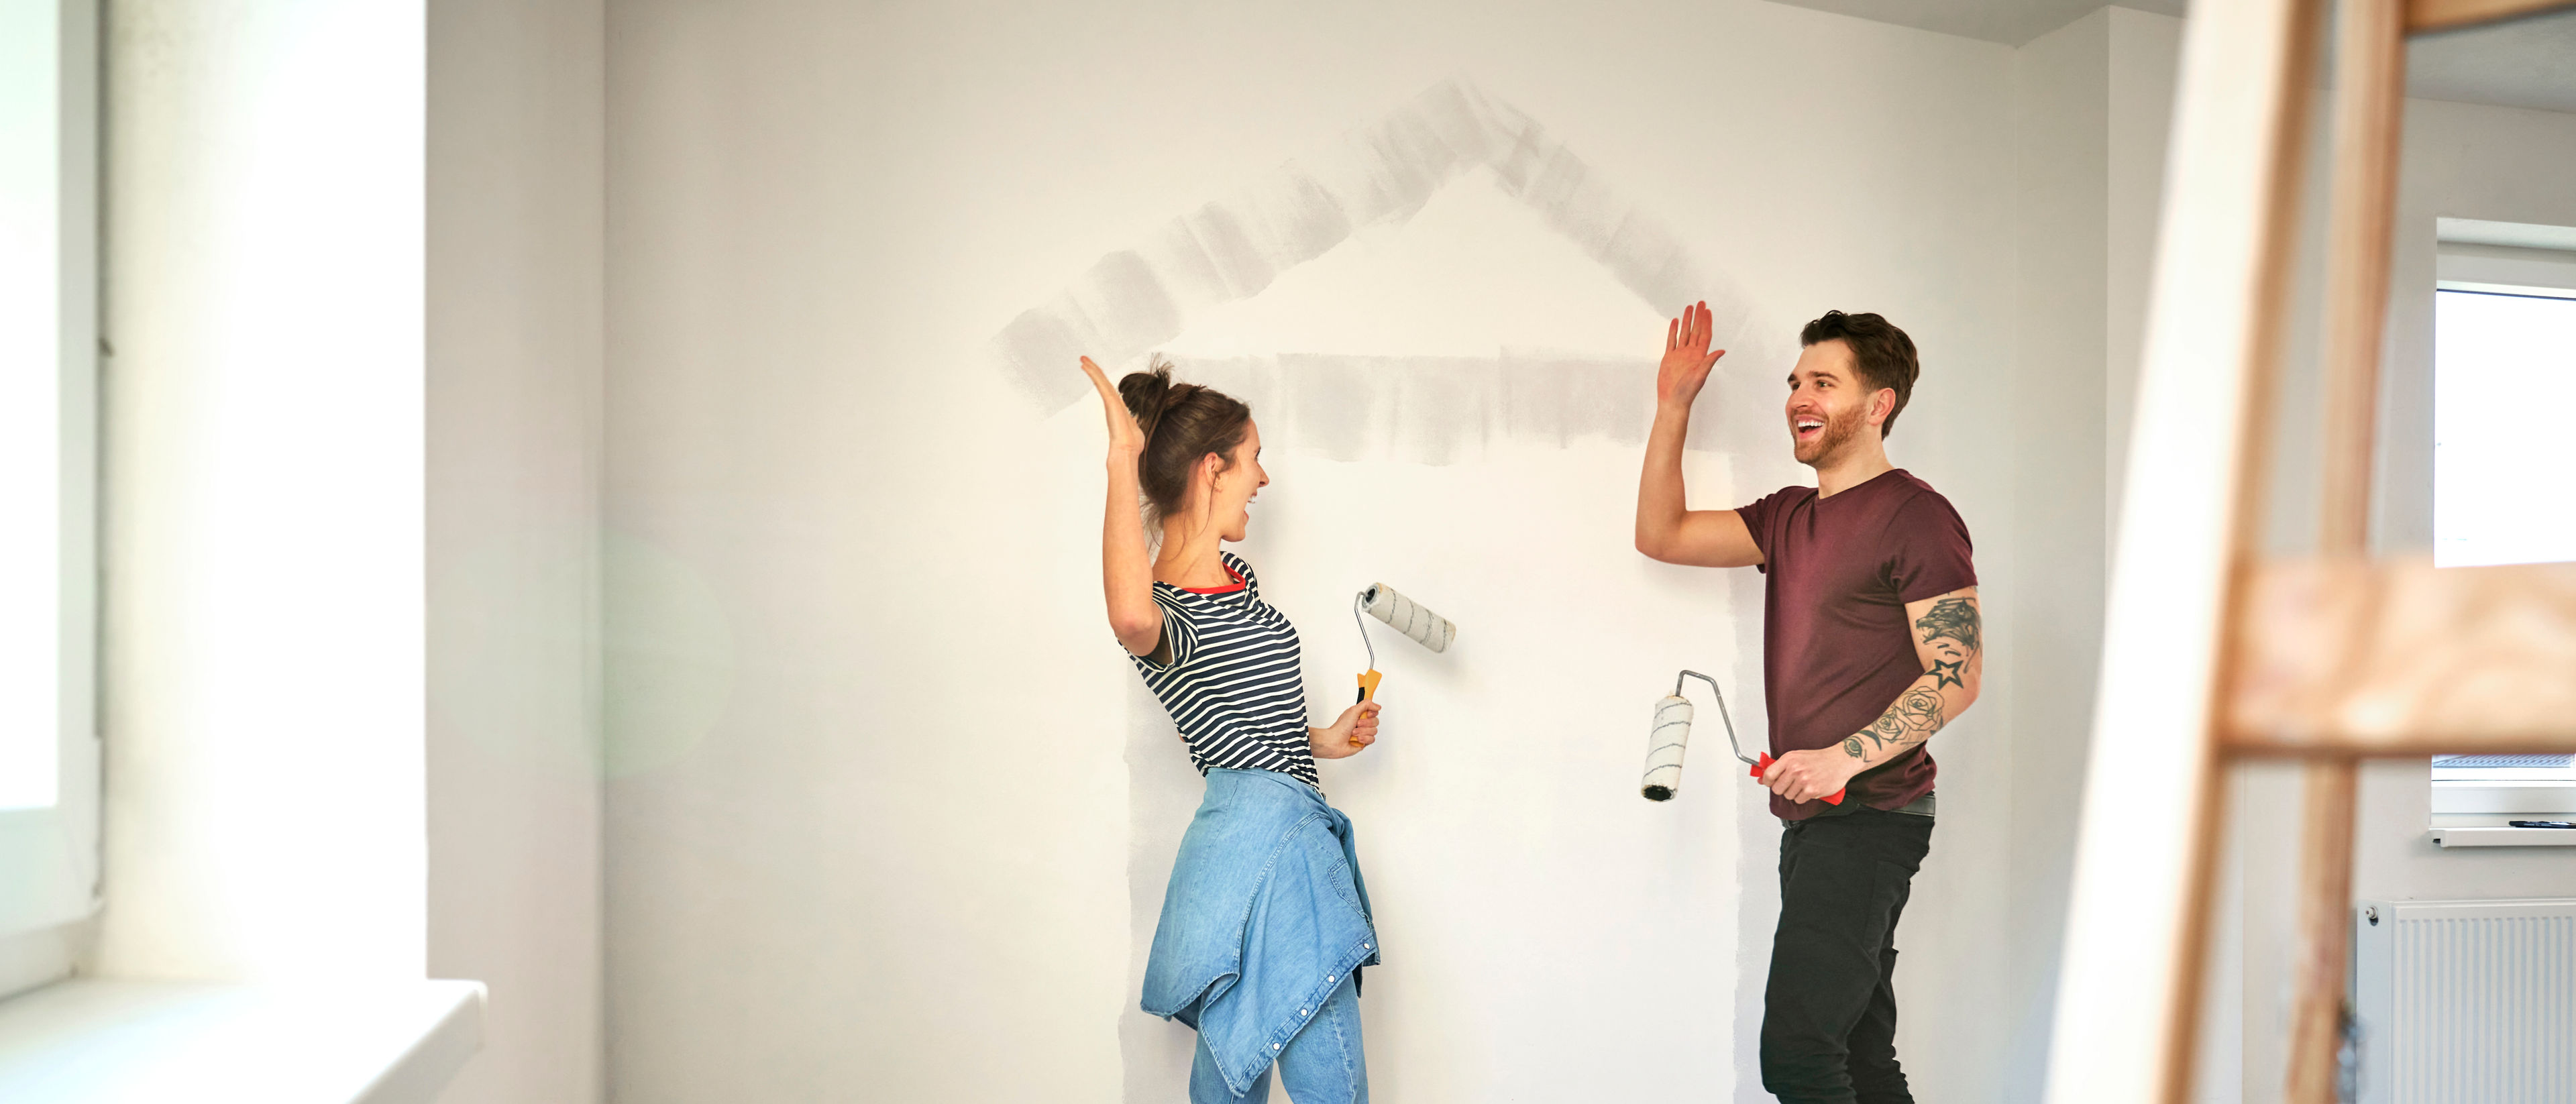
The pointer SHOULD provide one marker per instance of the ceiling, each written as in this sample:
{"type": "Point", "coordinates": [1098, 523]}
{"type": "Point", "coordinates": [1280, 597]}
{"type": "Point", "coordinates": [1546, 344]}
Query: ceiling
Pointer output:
{"type": "Point", "coordinates": [2530, 63]}
{"type": "Point", "coordinates": [2011, 22]}
{"type": "Point", "coordinates": [2527, 63]}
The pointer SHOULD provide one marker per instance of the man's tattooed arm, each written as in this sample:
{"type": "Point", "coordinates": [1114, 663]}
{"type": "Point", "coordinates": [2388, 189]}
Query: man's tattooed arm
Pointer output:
{"type": "Point", "coordinates": [1952, 623]}
{"type": "Point", "coordinates": [1917, 714]}
{"type": "Point", "coordinates": [1950, 642]}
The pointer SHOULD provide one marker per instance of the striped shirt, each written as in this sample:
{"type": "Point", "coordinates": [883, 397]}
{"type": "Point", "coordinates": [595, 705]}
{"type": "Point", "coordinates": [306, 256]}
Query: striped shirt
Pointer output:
{"type": "Point", "coordinates": [1233, 687]}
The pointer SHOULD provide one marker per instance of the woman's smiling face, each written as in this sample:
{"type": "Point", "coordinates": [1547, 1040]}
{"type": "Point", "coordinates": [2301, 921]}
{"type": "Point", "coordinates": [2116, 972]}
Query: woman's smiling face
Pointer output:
{"type": "Point", "coordinates": [1241, 482]}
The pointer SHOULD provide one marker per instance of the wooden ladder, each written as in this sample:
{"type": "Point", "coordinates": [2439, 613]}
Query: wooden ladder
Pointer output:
{"type": "Point", "coordinates": [2215, 653]}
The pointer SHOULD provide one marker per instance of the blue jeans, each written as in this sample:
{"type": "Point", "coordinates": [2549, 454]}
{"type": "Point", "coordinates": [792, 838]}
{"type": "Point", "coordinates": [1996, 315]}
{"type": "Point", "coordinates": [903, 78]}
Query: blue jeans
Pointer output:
{"type": "Point", "coordinates": [1322, 1064]}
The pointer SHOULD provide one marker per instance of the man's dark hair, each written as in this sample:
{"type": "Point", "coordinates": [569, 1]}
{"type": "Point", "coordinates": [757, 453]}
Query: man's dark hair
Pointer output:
{"type": "Point", "coordinates": [1882, 353]}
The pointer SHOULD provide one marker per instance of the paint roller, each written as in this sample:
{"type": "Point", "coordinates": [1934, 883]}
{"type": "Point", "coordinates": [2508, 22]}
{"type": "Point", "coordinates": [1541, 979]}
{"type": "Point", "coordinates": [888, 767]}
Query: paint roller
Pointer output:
{"type": "Point", "coordinates": [1671, 737]}
{"type": "Point", "coordinates": [1402, 614]}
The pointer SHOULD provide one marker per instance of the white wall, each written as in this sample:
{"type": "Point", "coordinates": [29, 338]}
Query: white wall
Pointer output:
{"type": "Point", "coordinates": [2144, 63]}
{"type": "Point", "coordinates": [263, 547]}
{"type": "Point", "coordinates": [885, 804]}
{"type": "Point", "coordinates": [2093, 101]}
{"type": "Point", "coordinates": [2062, 100]}
{"type": "Point", "coordinates": [516, 203]}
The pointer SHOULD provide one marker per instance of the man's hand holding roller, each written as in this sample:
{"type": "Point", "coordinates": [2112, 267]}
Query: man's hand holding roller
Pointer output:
{"type": "Point", "coordinates": [1809, 775]}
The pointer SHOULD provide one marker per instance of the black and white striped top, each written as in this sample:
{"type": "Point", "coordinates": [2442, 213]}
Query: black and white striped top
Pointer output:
{"type": "Point", "coordinates": [1233, 687]}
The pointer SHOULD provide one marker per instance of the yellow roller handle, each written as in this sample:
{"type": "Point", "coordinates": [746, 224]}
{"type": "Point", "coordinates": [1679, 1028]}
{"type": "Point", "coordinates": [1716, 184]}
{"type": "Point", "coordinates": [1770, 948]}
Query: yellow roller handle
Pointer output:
{"type": "Point", "coordinates": [1368, 684]}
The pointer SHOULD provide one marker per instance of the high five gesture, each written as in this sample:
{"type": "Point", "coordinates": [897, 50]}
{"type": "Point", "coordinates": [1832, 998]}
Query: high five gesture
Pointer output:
{"type": "Point", "coordinates": [1126, 438]}
{"type": "Point", "coordinates": [1126, 568]}
{"type": "Point", "coordinates": [1667, 528]}
{"type": "Point", "coordinates": [1687, 357]}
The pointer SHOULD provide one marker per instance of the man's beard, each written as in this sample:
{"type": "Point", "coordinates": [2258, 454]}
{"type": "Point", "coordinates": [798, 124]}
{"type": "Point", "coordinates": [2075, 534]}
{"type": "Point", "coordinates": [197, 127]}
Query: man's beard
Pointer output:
{"type": "Point", "coordinates": [1839, 430]}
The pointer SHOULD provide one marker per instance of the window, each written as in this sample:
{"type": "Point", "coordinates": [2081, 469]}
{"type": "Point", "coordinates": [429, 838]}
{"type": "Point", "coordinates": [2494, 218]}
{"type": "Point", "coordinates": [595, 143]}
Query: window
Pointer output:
{"type": "Point", "coordinates": [48, 381]}
{"type": "Point", "coordinates": [2503, 311]}
{"type": "Point", "coordinates": [2501, 323]}
{"type": "Point", "coordinates": [2537, 787]}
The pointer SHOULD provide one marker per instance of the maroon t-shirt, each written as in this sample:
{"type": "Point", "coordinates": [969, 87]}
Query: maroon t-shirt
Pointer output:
{"type": "Point", "coordinates": [1836, 650]}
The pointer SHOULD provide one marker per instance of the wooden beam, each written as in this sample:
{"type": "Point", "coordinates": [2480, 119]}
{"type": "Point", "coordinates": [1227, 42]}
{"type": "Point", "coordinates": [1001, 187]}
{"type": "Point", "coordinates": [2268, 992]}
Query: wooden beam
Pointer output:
{"type": "Point", "coordinates": [2317, 1011]}
{"type": "Point", "coordinates": [2369, 113]}
{"type": "Point", "coordinates": [2369, 106]}
{"type": "Point", "coordinates": [2443, 15]}
{"type": "Point", "coordinates": [2401, 747]}
{"type": "Point", "coordinates": [2351, 657]}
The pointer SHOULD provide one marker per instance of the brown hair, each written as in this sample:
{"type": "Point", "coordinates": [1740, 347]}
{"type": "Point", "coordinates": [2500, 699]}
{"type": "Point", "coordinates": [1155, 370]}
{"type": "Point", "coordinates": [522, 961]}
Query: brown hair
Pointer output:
{"type": "Point", "coordinates": [1882, 353]}
{"type": "Point", "coordinates": [1181, 422]}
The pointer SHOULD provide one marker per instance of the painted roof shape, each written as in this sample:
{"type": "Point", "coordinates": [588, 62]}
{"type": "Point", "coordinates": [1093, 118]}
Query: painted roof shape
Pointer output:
{"type": "Point", "coordinates": [1134, 300]}
{"type": "Point", "coordinates": [1473, 272]}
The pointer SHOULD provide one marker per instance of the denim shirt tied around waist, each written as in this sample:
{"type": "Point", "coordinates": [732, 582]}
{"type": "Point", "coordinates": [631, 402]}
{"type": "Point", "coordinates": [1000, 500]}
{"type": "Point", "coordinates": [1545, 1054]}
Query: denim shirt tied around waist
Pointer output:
{"type": "Point", "coordinates": [1265, 916]}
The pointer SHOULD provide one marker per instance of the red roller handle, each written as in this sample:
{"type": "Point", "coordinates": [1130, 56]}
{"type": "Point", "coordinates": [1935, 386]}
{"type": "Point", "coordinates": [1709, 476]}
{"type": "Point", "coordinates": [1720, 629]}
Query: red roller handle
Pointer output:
{"type": "Point", "coordinates": [1834, 798]}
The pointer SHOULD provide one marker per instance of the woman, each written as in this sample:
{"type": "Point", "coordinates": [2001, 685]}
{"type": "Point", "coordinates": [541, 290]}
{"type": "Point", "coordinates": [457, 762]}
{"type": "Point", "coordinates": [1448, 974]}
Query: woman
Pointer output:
{"type": "Point", "coordinates": [1266, 922]}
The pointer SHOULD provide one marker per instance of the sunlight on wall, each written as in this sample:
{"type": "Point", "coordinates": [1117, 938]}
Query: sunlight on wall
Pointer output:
{"type": "Point", "coordinates": [265, 811]}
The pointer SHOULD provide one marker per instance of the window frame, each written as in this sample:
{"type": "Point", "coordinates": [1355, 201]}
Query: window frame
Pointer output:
{"type": "Point", "coordinates": [50, 855]}
{"type": "Point", "coordinates": [2497, 258]}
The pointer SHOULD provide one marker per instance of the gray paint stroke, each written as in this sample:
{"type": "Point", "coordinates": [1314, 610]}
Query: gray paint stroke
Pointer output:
{"type": "Point", "coordinates": [1134, 299]}
{"type": "Point", "coordinates": [1439, 410]}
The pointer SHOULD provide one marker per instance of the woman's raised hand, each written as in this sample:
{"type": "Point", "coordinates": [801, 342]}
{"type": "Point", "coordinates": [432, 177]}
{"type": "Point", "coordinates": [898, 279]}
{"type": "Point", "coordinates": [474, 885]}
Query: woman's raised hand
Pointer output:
{"type": "Point", "coordinates": [1126, 438]}
{"type": "Point", "coordinates": [1356, 728]}
{"type": "Point", "coordinates": [1687, 357]}
{"type": "Point", "coordinates": [1126, 567]}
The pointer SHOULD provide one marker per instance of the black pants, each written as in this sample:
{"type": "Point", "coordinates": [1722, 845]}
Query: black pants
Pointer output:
{"type": "Point", "coordinates": [1829, 1014]}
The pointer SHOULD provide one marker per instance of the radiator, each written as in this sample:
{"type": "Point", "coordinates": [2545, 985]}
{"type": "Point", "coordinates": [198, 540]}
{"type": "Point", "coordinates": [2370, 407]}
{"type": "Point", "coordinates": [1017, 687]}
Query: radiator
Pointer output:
{"type": "Point", "coordinates": [2465, 1002]}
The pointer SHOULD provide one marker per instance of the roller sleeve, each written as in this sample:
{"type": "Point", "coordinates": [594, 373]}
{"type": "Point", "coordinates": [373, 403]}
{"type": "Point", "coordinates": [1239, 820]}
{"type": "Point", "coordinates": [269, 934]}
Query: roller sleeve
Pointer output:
{"type": "Point", "coordinates": [1665, 744]}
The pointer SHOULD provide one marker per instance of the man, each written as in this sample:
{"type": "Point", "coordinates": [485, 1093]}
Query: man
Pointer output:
{"type": "Point", "coordinates": [1870, 643]}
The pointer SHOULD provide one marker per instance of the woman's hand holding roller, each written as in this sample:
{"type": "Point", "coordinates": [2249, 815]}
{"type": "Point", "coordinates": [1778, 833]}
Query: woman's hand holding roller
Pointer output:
{"type": "Point", "coordinates": [1809, 775]}
{"type": "Point", "coordinates": [1356, 728]}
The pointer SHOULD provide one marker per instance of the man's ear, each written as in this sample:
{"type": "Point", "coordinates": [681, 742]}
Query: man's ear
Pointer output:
{"type": "Point", "coordinates": [1882, 405]}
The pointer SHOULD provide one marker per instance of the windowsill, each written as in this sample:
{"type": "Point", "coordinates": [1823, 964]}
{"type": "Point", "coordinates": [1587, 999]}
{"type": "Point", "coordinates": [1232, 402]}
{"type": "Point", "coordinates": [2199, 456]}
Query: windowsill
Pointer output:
{"type": "Point", "coordinates": [2501, 836]}
{"type": "Point", "coordinates": [85, 1041]}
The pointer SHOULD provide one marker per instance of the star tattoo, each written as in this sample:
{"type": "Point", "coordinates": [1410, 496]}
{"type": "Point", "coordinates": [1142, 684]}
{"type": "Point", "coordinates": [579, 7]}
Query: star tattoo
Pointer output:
{"type": "Point", "coordinates": [1945, 674]}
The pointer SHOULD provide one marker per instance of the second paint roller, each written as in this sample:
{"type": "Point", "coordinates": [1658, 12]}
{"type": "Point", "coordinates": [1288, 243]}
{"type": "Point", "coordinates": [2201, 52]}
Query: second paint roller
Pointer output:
{"type": "Point", "coordinates": [1402, 614]}
{"type": "Point", "coordinates": [1671, 737]}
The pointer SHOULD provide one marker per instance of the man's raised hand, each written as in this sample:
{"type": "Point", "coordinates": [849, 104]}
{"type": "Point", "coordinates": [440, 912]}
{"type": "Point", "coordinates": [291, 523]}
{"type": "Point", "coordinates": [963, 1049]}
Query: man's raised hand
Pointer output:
{"type": "Point", "coordinates": [1687, 357]}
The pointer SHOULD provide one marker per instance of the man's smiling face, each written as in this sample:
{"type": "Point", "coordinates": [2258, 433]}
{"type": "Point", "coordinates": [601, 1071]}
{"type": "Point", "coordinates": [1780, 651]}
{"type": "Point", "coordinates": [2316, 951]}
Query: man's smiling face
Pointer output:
{"type": "Point", "coordinates": [1828, 403]}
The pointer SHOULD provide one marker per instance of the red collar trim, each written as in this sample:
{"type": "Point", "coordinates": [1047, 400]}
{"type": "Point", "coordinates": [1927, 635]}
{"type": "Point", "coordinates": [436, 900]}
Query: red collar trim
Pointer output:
{"type": "Point", "coordinates": [1230, 573]}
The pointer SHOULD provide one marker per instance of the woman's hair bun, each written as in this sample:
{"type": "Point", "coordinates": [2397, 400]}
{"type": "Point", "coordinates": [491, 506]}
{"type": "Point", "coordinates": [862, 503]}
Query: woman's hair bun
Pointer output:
{"type": "Point", "coordinates": [1182, 423]}
{"type": "Point", "coordinates": [1151, 392]}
